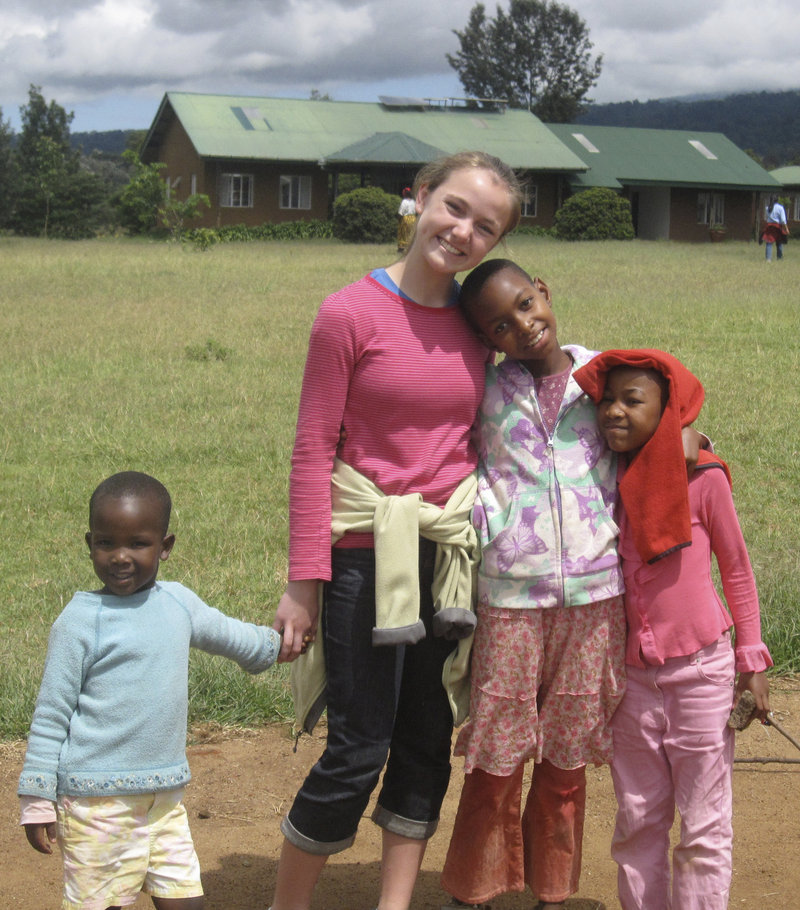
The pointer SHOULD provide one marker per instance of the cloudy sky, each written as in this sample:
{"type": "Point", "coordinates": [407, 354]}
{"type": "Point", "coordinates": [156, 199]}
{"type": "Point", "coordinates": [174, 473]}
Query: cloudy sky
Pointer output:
{"type": "Point", "coordinates": [110, 61]}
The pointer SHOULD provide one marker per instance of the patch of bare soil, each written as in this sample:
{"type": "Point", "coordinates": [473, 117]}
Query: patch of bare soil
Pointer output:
{"type": "Point", "coordinates": [243, 783]}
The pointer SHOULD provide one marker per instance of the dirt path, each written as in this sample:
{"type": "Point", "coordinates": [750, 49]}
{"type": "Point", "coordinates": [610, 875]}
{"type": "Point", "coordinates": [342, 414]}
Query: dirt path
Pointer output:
{"type": "Point", "coordinates": [243, 785]}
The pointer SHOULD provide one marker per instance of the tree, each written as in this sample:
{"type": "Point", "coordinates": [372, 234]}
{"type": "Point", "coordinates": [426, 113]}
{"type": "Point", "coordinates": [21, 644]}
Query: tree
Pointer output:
{"type": "Point", "coordinates": [146, 193]}
{"type": "Point", "coordinates": [176, 212]}
{"type": "Point", "coordinates": [8, 176]}
{"type": "Point", "coordinates": [536, 56]}
{"type": "Point", "coordinates": [56, 196]}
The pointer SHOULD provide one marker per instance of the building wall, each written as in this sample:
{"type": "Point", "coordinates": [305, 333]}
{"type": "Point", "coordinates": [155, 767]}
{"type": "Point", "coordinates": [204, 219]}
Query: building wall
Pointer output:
{"type": "Point", "coordinates": [549, 197]}
{"type": "Point", "coordinates": [650, 207]}
{"type": "Point", "coordinates": [739, 215]}
{"type": "Point", "coordinates": [187, 173]}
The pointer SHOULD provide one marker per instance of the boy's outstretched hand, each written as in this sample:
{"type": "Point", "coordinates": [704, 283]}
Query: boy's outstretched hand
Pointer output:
{"type": "Point", "coordinates": [41, 836]}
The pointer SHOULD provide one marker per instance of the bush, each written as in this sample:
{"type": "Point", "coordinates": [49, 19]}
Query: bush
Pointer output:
{"type": "Point", "coordinates": [285, 230]}
{"type": "Point", "coordinates": [533, 230]}
{"type": "Point", "coordinates": [366, 215]}
{"type": "Point", "coordinates": [595, 214]}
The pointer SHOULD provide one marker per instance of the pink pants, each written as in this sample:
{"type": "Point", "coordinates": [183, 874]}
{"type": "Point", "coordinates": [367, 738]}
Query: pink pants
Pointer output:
{"type": "Point", "coordinates": [672, 747]}
{"type": "Point", "coordinates": [493, 851]}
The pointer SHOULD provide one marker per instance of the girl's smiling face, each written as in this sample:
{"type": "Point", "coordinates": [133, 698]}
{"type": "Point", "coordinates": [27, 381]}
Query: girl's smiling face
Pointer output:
{"type": "Point", "coordinates": [630, 410]}
{"type": "Point", "coordinates": [462, 219]}
{"type": "Point", "coordinates": [127, 542]}
{"type": "Point", "coordinates": [513, 315]}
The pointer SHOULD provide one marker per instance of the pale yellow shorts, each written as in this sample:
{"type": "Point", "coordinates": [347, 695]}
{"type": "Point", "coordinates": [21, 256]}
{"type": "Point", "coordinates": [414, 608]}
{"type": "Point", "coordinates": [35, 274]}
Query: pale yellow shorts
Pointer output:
{"type": "Point", "coordinates": [116, 847]}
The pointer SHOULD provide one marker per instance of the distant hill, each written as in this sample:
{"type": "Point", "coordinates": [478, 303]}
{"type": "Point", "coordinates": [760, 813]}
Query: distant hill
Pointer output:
{"type": "Point", "coordinates": [767, 123]}
{"type": "Point", "coordinates": [111, 142]}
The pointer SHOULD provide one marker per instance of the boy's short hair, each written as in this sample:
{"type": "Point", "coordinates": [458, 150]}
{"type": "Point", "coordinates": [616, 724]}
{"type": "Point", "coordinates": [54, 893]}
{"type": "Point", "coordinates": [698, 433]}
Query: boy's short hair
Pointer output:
{"type": "Point", "coordinates": [477, 279]}
{"type": "Point", "coordinates": [132, 484]}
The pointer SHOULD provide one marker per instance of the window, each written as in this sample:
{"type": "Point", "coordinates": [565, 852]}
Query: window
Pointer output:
{"type": "Point", "coordinates": [711, 208]}
{"type": "Point", "coordinates": [296, 192]}
{"type": "Point", "coordinates": [236, 191]}
{"type": "Point", "coordinates": [529, 201]}
{"type": "Point", "coordinates": [796, 208]}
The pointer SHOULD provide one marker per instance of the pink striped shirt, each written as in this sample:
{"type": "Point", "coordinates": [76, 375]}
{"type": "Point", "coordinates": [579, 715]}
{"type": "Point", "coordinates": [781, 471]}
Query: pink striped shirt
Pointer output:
{"type": "Point", "coordinates": [405, 381]}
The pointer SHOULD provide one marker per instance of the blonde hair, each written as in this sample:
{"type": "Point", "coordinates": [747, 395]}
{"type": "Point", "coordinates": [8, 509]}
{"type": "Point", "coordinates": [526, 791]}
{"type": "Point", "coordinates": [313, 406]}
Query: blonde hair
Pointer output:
{"type": "Point", "coordinates": [434, 174]}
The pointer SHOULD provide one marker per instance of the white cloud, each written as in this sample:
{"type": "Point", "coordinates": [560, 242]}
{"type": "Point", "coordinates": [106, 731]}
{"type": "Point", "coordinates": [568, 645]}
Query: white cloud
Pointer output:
{"type": "Point", "coordinates": [86, 52]}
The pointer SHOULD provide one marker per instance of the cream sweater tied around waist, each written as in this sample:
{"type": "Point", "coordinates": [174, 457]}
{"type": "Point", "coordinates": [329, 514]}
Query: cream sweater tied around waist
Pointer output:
{"type": "Point", "coordinates": [397, 523]}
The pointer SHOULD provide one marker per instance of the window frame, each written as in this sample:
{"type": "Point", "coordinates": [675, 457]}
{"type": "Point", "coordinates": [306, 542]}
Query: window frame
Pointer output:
{"type": "Point", "coordinates": [530, 201]}
{"type": "Point", "coordinates": [236, 190]}
{"type": "Point", "coordinates": [299, 192]}
{"type": "Point", "coordinates": [710, 208]}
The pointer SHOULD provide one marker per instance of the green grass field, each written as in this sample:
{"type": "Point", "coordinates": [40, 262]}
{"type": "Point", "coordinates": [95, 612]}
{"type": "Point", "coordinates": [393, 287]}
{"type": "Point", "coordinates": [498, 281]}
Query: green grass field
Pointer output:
{"type": "Point", "coordinates": [122, 354]}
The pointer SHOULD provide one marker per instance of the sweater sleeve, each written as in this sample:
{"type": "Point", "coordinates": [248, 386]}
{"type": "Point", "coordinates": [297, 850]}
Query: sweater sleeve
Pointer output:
{"type": "Point", "coordinates": [326, 380]}
{"type": "Point", "coordinates": [254, 648]}
{"type": "Point", "coordinates": [68, 653]}
{"type": "Point", "coordinates": [738, 582]}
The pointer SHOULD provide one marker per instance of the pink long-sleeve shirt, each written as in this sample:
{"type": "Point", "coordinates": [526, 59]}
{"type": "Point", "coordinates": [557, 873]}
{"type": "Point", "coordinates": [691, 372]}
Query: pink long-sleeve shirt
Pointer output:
{"type": "Point", "coordinates": [672, 605]}
{"type": "Point", "coordinates": [405, 381]}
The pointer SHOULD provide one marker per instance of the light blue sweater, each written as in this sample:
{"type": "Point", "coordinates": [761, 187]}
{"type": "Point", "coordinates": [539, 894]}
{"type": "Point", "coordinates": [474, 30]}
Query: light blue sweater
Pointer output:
{"type": "Point", "coordinates": [110, 718]}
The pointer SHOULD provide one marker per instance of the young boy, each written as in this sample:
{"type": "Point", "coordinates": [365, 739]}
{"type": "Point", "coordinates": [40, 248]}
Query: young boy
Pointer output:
{"type": "Point", "coordinates": [672, 745]}
{"type": "Point", "coordinates": [106, 765]}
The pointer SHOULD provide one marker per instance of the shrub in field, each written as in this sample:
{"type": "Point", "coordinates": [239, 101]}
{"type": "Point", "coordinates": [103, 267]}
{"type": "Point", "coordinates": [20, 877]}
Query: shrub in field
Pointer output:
{"type": "Point", "coordinates": [533, 230]}
{"type": "Point", "coordinates": [211, 350]}
{"type": "Point", "coordinates": [366, 215]}
{"type": "Point", "coordinates": [242, 233]}
{"type": "Point", "coordinates": [595, 214]}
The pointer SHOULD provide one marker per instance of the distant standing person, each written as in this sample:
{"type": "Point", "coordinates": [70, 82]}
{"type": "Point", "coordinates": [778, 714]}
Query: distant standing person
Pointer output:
{"type": "Point", "coordinates": [776, 230]}
{"type": "Point", "coordinates": [407, 213]}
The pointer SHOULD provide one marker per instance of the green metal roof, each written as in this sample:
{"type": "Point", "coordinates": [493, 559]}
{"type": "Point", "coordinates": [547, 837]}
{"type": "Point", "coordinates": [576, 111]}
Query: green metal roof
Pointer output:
{"type": "Point", "coordinates": [395, 148]}
{"type": "Point", "coordinates": [787, 176]}
{"type": "Point", "coordinates": [618, 156]}
{"type": "Point", "coordinates": [286, 129]}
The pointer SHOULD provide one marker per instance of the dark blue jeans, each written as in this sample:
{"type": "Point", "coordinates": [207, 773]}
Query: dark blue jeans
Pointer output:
{"type": "Point", "coordinates": [382, 701]}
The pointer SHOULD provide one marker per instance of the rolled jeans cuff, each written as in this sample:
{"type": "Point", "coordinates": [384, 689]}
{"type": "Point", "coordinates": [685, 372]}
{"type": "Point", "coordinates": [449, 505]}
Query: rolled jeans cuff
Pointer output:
{"type": "Point", "coordinates": [405, 827]}
{"type": "Point", "coordinates": [315, 847]}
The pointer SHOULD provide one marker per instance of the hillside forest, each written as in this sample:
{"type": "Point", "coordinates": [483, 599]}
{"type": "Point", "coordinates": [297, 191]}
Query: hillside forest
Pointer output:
{"type": "Point", "coordinates": [765, 124]}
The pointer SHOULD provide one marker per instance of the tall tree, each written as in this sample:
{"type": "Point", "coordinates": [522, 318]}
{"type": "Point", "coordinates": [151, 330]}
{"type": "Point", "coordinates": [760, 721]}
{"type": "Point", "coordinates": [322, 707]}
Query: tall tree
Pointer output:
{"type": "Point", "coordinates": [535, 56]}
{"type": "Point", "coordinates": [8, 176]}
{"type": "Point", "coordinates": [56, 196]}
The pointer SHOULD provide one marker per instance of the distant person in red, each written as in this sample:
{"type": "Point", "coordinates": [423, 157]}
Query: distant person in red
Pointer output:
{"type": "Point", "coordinates": [407, 215]}
{"type": "Point", "coordinates": [776, 230]}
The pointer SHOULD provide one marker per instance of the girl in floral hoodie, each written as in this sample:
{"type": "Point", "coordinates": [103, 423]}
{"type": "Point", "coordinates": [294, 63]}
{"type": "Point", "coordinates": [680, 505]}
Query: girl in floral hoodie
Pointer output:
{"type": "Point", "coordinates": [548, 661]}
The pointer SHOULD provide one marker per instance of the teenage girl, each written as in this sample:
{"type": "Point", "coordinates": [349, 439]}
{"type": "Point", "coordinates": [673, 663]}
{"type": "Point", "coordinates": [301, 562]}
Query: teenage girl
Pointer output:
{"type": "Point", "coordinates": [392, 360]}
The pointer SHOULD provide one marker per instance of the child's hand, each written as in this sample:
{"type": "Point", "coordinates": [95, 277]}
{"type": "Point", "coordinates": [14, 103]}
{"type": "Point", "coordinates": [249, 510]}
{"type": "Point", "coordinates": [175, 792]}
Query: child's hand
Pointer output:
{"type": "Point", "coordinates": [692, 443]}
{"type": "Point", "coordinates": [758, 684]}
{"type": "Point", "coordinates": [41, 836]}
